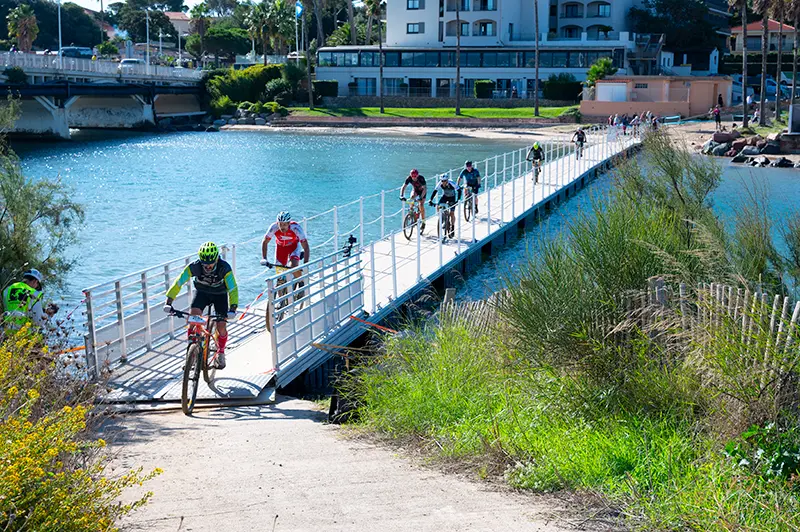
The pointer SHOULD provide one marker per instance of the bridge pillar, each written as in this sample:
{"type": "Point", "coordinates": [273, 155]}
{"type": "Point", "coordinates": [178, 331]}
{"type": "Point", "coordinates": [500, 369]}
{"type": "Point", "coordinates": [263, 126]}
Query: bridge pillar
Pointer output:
{"type": "Point", "coordinates": [147, 109]}
{"type": "Point", "coordinates": [57, 123]}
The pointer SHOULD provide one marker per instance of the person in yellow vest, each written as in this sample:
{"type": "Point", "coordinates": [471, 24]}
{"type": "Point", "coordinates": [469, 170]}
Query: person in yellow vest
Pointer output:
{"type": "Point", "coordinates": [22, 302]}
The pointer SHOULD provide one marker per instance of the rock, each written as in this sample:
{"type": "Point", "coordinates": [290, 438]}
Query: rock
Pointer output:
{"type": "Point", "coordinates": [722, 137]}
{"type": "Point", "coordinates": [797, 164]}
{"type": "Point", "coordinates": [220, 122]}
{"type": "Point", "coordinates": [752, 141]}
{"type": "Point", "coordinates": [781, 162]}
{"type": "Point", "coordinates": [250, 121]}
{"type": "Point", "coordinates": [226, 117]}
{"type": "Point", "coordinates": [260, 122]}
{"type": "Point", "coordinates": [760, 144]}
{"type": "Point", "coordinates": [749, 150]}
{"type": "Point", "coordinates": [184, 128]}
{"type": "Point", "coordinates": [212, 129]}
{"type": "Point", "coordinates": [198, 127]}
{"type": "Point", "coordinates": [774, 136]}
{"type": "Point", "coordinates": [207, 120]}
{"type": "Point", "coordinates": [233, 122]}
{"type": "Point", "coordinates": [740, 159]}
{"type": "Point", "coordinates": [735, 134]}
{"type": "Point", "coordinates": [731, 152]}
{"type": "Point", "coordinates": [720, 149]}
{"type": "Point", "coordinates": [738, 144]}
{"type": "Point", "coordinates": [708, 146]}
{"type": "Point", "coordinates": [771, 148]}
{"type": "Point", "coordinates": [760, 161]}
{"type": "Point", "coordinates": [165, 122]}
{"type": "Point", "coordinates": [242, 121]}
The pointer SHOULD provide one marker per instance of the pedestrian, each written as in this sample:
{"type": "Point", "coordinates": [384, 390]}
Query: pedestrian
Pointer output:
{"type": "Point", "coordinates": [22, 302]}
{"type": "Point", "coordinates": [720, 101]}
{"type": "Point", "coordinates": [513, 92]}
{"type": "Point", "coordinates": [717, 117]}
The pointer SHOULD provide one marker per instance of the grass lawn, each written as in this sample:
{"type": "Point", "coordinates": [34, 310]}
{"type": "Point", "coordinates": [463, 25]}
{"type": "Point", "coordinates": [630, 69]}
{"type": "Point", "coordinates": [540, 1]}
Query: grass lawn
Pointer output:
{"type": "Point", "coordinates": [755, 129]}
{"type": "Point", "coordinates": [439, 112]}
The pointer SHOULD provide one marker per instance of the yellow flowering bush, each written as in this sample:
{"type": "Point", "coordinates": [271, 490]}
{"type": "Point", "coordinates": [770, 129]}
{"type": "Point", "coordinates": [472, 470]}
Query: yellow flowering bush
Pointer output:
{"type": "Point", "coordinates": [51, 468]}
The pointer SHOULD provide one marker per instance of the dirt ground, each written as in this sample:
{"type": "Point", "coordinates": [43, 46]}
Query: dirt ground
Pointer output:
{"type": "Point", "coordinates": [282, 468]}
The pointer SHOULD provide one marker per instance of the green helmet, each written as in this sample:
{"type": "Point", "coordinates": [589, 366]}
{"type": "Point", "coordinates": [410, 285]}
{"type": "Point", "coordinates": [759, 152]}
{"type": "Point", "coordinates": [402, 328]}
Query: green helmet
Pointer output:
{"type": "Point", "coordinates": [209, 252]}
{"type": "Point", "coordinates": [536, 145]}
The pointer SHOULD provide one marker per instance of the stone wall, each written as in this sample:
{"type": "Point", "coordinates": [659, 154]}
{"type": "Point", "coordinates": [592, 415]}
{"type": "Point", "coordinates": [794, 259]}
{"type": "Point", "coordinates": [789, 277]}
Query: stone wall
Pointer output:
{"type": "Point", "coordinates": [404, 101]}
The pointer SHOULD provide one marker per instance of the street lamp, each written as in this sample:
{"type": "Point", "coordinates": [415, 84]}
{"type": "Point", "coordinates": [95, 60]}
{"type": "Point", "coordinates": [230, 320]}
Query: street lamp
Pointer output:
{"type": "Point", "coordinates": [160, 44]}
{"type": "Point", "coordinates": [147, 30]}
{"type": "Point", "coordinates": [60, 56]}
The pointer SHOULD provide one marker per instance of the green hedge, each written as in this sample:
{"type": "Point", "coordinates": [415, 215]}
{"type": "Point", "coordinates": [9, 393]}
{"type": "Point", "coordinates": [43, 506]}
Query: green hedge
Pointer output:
{"type": "Point", "coordinates": [326, 88]}
{"type": "Point", "coordinates": [484, 88]}
{"type": "Point", "coordinates": [246, 85]}
{"type": "Point", "coordinates": [562, 87]}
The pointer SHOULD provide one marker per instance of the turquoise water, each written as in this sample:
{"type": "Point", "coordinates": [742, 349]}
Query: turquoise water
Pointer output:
{"type": "Point", "coordinates": [782, 186]}
{"type": "Point", "coordinates": [150, 198]}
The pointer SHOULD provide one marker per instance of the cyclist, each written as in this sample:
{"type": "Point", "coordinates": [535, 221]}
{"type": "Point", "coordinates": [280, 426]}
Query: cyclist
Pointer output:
{"type": "Point", "coordinates": [417, 182]}
{"type": "Point", "coordinates": [472, 178]}
{"type": "Point", "coordinates": [291, 243]}
{"type": "Point", "coordinates": [215, 284]}
{"type": "Point", "coordinates": [535, 156]}
{"type": "Point", "coordinates": [579, 138]}
{"type": "Point", "coordinates": [449, 192]}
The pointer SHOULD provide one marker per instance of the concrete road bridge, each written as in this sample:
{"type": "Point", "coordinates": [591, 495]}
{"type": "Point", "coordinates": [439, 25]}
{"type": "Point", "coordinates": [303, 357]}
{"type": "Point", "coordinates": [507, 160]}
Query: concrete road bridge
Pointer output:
{"type": "Point", "coordinates": [66, 92]}
{"type": "Point", "coordinates": [270, 347]}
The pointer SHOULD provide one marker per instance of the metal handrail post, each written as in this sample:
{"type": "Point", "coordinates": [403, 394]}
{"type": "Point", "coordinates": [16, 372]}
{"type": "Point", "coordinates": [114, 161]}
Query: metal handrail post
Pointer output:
{"type": "Point", "coordinates": [475, 215]}
{"type": "Point", "coordinates": [270, 317]}
{"type": "Point", "coordinates": [513, 198]}
{"type": "Point", "coordinates": [361, 219]}
{"type": "Point", "coordinates": [335, 228]}
{"type": "Point", "coordinates": [374, 284]}
{"type": "Point", "coordinates": [503, 198]}
{"type": "Point", "coordinates": [495, 171]}
{"type": "Point", "coordinates": [441, 237]}
{"type": "Point", "coordinates": [458, 245]}
{"type": "Point", "coordinates": [148, 334]}
{"type": "Point", "coordinates": [166, 289]}
{"type": "Point", "coordinates": [488, 209]}
{"type": "Point", "coordinates": [383, 212]}
{"type": "Point", "coordinates": [121, 321]}
{"type": "Point", "coordinates": [419, 251]}
{"type": "Point", "coordinates": [91, 337]}
{"type": "Point", "coordinates": [233, 258]}
{"type": "Point", "coordinates": [524, 179]}
{"type": "Point", "coordinates": [305, 225]}
{"type": "Point", "coordinates": [394, 268]}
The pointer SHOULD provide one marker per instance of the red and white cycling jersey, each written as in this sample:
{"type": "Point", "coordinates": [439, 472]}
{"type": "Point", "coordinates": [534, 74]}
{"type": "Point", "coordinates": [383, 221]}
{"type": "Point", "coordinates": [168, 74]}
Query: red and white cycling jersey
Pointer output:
{"type": "Point", "coordinates": [287, 242]}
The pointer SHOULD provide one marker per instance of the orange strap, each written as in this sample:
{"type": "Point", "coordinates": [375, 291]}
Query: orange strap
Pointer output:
{"type": "Point", "coordinates": [379, 327]}
{"type": "Point", "coordinates": [71, 350]}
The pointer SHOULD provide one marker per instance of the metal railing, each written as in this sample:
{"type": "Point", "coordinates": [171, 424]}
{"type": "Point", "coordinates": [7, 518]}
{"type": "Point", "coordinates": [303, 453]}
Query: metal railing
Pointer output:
{"type": "Point", "coordinates": [72, 66]}
{"type": "Point", "coordinates": [120, 322]}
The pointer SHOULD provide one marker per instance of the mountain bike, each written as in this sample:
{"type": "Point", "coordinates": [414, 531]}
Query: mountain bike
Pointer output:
{"type": "Point", "coordinates": [469, 203]}
{"type": "Point", "coordinates": [410, 219]}
{"type": "Point", "coordinates": [201, 354]}
{"type": "Point", "coordinates": [578, 149]}
{"type": "Point", "coordinates": [537, 168]}
{"type": "Point", "coordinates": [445, 224]}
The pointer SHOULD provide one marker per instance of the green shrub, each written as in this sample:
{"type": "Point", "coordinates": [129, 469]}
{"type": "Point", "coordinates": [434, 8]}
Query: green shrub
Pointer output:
{"type": "Point", "coordinates": [275, 107]}
{"type": "Point", "coordinates": [283, 98]}
{"type": "Point", "coordinates": [294, 75]}
{"type": "Point", "coordinates": [561, 87]}
{"type": "Point", "coordinates": [484, 88]}
{"type": "Point", "coordinates": [244, 105]}
{"type": "Point", "coordinates": [574, 113]}
{"type": "Point", "coordinates": [15, 76]}
{"type": "Point", "coordinates": [222, 106]}
{"type": "Point", "coordinates": [257, 107]}
{"type": "Point", "coordinates": [246, 85]}
{"type": "Point", "coordinates": [326, 88]}
{"type": "Point", "coordinates": [276, 87]}
{"type": "Point", "coordinates": [53, 472]}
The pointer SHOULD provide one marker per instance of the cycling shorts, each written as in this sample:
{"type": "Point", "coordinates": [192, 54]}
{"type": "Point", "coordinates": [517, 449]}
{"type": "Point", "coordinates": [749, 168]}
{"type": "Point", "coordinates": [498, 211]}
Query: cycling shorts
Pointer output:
{"type": "Point", "coordinates": [285, 254]}
{"type": "Point", "coordinates": [203, 299]}
{"type": "Point", "coordinates": [419, 197]}
{"type": "Point", "coordinates": [474, 186]}
{"type": "Point", "coordinates": [449, 201]}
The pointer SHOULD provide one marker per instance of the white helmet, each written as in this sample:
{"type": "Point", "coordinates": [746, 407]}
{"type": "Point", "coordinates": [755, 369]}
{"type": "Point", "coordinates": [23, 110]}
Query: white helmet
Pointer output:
{"type": "Point", "coordinates": [284, 216]}
{"type": "Point", "coordinates": [34, 274]}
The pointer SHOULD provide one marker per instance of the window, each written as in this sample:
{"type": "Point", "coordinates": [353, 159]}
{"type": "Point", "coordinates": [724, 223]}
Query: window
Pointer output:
{"type": "Point", "coordinates": [413, 4]}
{"type": "Point", "coordinates": [604, 10]}
{"type": "Point", "coordinates": [391, 86]}
{"type": "Point", "coordinates": [324, 59]}
{"type": "Point", "coordinates": [504, 59]}
{"type": "Point", "coordinates": [366, 86]}
{"type": "Point", "coordinates": [465, 29]}
{"type": "Point", "coordinates": [489, 59]}
{"type": "Point", "coordinates": [486, 5]}
{"type": "Point", "coordinates": [415, 27]}
{"type": "Point", "coordinates": [571, 32]}
{"type": "Point", "coordinates": [441, 8]}
{"type": "Point", "coordinates": [447, 59]}
{"type": "Point", "coordinates": [572, 11]}
{"type": "Point", "coordinates": [577, 60]}
{"type": "Point", "coordinates": [431, 59]}
{"type": "Point", "coordinates": [369, 59]}
{"type": "Point", "coordinates": [350, 59]}
{"type": "Point", "coordinates": [559, 59]}
{"type": "Point", "coordinates": [441, 31]}
{"type": "Point", "coordinates": [640, 85]}
{"type": "Point", "coordinates": [463, 5]}
{"type": "Point", "coordinates": [553, 10]}
{"type": "Point", "coordinates": [471, 59]}
{"type": "Point", "coordinates": [391, 59]}
{"type": "Point", "coordinates": [486, 29]}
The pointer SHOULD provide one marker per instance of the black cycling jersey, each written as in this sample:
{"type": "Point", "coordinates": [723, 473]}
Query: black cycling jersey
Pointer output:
{"type": "Point", "coordinates": [580, 136]}
{"type": "Point", "coordinates": [212, 282]}
{"type": "Point", "coordinates": [536, 154]}
{"type": "Point", "coordinates": [473, 177]}
{"type": "Point", "coordinates": [419, 185]}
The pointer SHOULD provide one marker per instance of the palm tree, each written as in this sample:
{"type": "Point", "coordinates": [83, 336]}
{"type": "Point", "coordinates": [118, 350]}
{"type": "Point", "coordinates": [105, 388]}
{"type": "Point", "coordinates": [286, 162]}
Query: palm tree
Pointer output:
{"type": "Point", "coordinates": [352, 20]}
{"type": "Point", "coordinates": [763, 8]}
{"type": "Point", "coordinates": [779, 12]}
{"type": "Point", "coordinates": [536, 59]}
{"type": "Point", "coordinates": [257, 21]}
{"type": "Point", "coordinates": [23, 27]}
{"type": "Point", "coordinates": [318, 5]}
{"type": "Point", "coordinates": [308, 52]}
{"type": "Point", "coordinates": [741, 5]}
{"type": "Point", "coordinates": [458, 57]}
{"type": "Point", "coordinates": [200, 23]}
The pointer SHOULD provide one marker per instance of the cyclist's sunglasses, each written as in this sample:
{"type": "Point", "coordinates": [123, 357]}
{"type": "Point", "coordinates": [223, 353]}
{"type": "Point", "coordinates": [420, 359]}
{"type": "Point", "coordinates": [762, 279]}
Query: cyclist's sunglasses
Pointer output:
{"type": "Point", "coordinates": [208, 266]}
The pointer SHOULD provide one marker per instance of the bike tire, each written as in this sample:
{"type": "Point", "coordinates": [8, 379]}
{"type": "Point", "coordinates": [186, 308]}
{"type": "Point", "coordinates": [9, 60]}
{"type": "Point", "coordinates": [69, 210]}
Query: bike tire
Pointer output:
{"type": "Point", "coordinates": [469, 204]}
{"type": "Point", "coordinates": [408, 225]}
{"type": "Point", "coordinates": [191, 376]}
{"type": "Point", "coordinates": [209, 371]}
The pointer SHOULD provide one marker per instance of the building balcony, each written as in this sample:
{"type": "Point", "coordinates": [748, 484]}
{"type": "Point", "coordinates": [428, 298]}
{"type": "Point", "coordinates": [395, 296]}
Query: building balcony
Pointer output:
{"type": "Point", "coordinates": [615, 38]}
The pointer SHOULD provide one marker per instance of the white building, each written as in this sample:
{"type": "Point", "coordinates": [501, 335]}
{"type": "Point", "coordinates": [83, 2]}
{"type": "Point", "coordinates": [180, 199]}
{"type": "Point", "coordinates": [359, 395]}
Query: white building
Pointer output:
{"type": "Point", "coordinates": [497, 43]}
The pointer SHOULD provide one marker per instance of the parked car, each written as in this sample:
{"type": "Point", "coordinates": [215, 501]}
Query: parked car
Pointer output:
{"type": "Point", "coordinates": [81, 52]}
{"type": "Point", "coordinates": [129, 65]}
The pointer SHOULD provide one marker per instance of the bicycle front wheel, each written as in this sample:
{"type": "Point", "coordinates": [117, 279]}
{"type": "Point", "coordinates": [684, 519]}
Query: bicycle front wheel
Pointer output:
{"type": "Point", "coordinates": [408, 225]}
{"type": "Point", "coordinates": [191, 376]}
{"type": "Point", "coordinates": [469, 203]}
{"type": "Point", "coordinates": [209, 357]}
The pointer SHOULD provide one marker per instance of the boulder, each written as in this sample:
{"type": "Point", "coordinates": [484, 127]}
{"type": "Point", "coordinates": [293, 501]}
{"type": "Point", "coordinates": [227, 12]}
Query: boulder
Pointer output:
{"type": "Point", "coordinates": [781, 162]}
{"type": "Point", "coordinates": [774, 136]}
{"type": "Point", "coordinates": [207, 120]}
{"type": "Point", "coordinates": [738, 144]}
{"type": "Point", "coordinates": [731, 152]}
{"type": "Point", "coordinates": [722, 137]}
{"type": "Point", "coordinates": [260, 122]}
{"type": "Point", "coordinates": [708, 146]}
{"type": "Point", "coordinates": [220, 122]}
{"type": "Point", "coordinates": [797, 164]}
{"type": "Point", "coordinates": [735, 134]}
{"type": "Point", "coordinates": [165, 122]}
{"type": "Point", "coordinates": [720, 149]}
{"type": "Point", "coordinates": [740, 159]}
{"type": "Point", "coordinates": [771, 148]}
{"type": "Point", "coordinates": [752, 141]}
{"type": "Point", "coordinates": [749, 150]}
{"type": "Point", "coordinates": [212, 129]}
{"type": "Point", "coordinates": [759, 161]}
{"type": "Point", "coordinates": [184, 127]}
{"type": "Point", "coordinates": [198, 127]}
{"type": "Point", "coordinates": [232, 122]}
{"type": "Point", "coordinates": [242, 121]}
{"type": "Point", "coordinates": [760, 144]}
{"type": "Point", "coordinates": [226, 117]}
{"type": "Point", "coordinates": [250, 121]}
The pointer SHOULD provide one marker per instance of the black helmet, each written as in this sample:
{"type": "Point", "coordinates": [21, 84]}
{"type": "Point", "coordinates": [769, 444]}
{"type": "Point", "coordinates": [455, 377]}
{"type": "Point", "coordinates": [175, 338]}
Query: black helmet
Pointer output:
{"type": "Point", "coordinates": [468, 163]}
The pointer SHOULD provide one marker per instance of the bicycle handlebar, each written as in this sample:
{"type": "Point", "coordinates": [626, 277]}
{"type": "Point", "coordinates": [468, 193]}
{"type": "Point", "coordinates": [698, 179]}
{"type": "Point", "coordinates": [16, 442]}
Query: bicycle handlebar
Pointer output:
{"type": "Point", "coordinates": [181, 314]}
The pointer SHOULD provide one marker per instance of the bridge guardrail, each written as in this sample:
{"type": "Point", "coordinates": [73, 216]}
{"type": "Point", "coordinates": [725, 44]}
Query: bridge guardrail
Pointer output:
{"type": "Point", "coordinates": [119, 321]}
{"type": "Point", "coordinates": [76, 66]}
